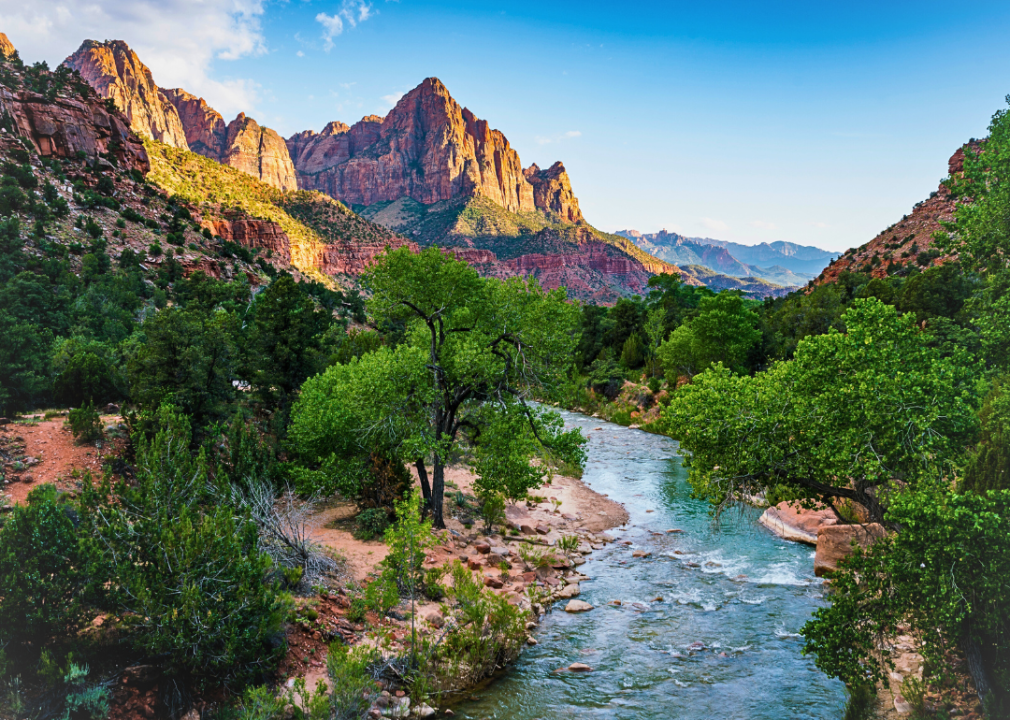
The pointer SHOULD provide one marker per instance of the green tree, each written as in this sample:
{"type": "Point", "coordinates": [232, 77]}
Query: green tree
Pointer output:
{"type": "Point", "coordinates": [85, 371]}
{"type": "Point", "coordinates": [848, 417]}
{"type": "Point", "coordinates": [989, 467]}
{"type": "Point", "coordinates": [474, 348]}
{"type": "Point", "coordinates": [41, 572]}
{"type": "Point", "coordinates": [185, 358]}
{"type": "Point", "coordinates": [284, 332]}
{"type": "Point", "coordinates": [724, 331]}
{"type": "Point", "coordinates": [24, 359]}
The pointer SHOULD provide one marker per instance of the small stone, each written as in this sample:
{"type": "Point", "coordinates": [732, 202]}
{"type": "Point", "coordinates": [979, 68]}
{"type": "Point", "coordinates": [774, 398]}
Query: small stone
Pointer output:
{"type": "Point", "coordinates": [424, 711]}
{"type": "Point", "coordinates": [542, 529]}
{"type": "Point", "coordinates": [579, 667]}
{"type": "Point", "coordinates": [527, 530]}
{"type": "Point", "coordinates": [616, 602]}
{"type": "Point", "coordinates": [482, 548]}
{"type": "Point", "coordinates": [530, 640]}
{"type": "Point", "coordinates": [674, 530]}
{"type": "Point", "coordinates": [493, 582]}
{"type": "Point", "coordinates": [500, 551]}
{"type": "Point", "coordinates": [648, 511]}
{"type": "Point", "coordinates": [473, 563]}
{"type": "Point", "coordinates": [577, 606]}
{"type": "Point", "coordinates": [901, 705]}
{"type": "Point", "coordinates": [641, 553]}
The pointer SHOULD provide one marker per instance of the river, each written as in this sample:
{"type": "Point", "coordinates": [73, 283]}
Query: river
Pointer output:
{"type": "Point", "coordinates": [722, 642]}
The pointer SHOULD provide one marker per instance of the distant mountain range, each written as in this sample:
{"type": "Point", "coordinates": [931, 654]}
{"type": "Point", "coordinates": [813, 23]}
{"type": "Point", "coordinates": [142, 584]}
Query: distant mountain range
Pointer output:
{"type": "Point", "coordinates": [781, 263]}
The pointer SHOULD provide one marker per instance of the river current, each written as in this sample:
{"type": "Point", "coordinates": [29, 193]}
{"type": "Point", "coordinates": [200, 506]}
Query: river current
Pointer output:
{"type": "Point", "coordinates": [709, 622]}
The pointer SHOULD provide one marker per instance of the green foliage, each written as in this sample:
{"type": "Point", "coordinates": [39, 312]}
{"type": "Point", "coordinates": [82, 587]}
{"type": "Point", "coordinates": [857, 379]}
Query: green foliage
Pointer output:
{"type": "Point", "coordinates": [492, 510]}
{"type": "Point", "coordinates": [942, 574]}
{"type": "Point", "coordinates": [185, 569]}
{"type": "Point", "coordinates": [353, 687]}
{"type": "Point", "coordinates": [23, 362]}
{"type": "Point", "coordinates": [85, 371]}
{"type": "Point", "coordinates": [371, 523]}
{"type": "Point", "coordinates": [84, 701]}
{"type": "Point", "coordinates": [606, 378]}
{"type": "Point", "coordinates": [41, 573]}
{"type": "Point", "coordinates": [724, 331]}
{"type": "Point", "coordinates": [909, 412]}
{"type": "Point", "coordinates": [408, 539]}
{"type": "Point", "coordinates": [187, 359]}
{"type": "Point", "coordinates": [989, 467]}
{"type": "Point", "coordinates": [85, 424]}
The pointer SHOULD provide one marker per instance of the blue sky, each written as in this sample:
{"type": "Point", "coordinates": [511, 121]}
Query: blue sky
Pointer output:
{"type": "Point", "coordinates": [817, 123]}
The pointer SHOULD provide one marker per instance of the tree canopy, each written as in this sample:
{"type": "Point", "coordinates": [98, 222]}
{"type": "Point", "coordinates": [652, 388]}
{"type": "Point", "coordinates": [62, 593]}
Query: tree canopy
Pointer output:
{"type": "Point", "coordinates": [477, 352]}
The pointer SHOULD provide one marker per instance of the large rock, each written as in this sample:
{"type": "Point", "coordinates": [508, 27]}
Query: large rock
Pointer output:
{"type": "Point", "coordinates": [577, 606]}
{"type": "Point", "coordinates": [428, 148]}
{"type": "Point", "coordinates": [115, 71]}
{"type": "Point", "coordinates": [206, 131]}
{"type": "Point", "coordinates": [6, 46]}
{"type": "Point", "coordinates": [835, 542]}
{"type": "Point", "coordinates": [792, 522]}
{"type": "Point", "coordinates": [552, 192]}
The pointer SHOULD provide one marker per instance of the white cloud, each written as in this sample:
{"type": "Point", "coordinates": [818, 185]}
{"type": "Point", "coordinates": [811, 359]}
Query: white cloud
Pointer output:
{"type": "Point", "coordinates": [557, 137]}
{"type": "Point", "coordinates": [350, 14]}
{"type": "Point", "coordinates": [712, 224]}
{"type": "Point", "coordinates": [178, 39]}
{"type": "Point", "coordinates": [300, 54]}
{"type": "Point", "coordinates": [392, 98]}
{"type": "Point", "coordinates": [764, 225]}
{"type": "Point", "coordinates": [820, 225]}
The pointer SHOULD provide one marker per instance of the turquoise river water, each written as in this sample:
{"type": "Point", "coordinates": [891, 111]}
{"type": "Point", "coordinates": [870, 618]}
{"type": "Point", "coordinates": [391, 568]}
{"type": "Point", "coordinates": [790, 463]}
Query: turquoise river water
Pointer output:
{"type": "Point", "coordinates": [722, 643]}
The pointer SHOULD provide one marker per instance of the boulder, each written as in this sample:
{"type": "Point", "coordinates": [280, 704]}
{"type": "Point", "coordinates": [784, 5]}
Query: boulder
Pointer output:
{"type": "Point", "coordinates": [568, 591]}
{"type": "Point", "coordinates": [493, 582]}
{"type": "Point", "coordinates": [527, 529]}
{"type": "Point", "coordinates": [792, 522]}
{"type": "Point", "coordinates": [579, 667]}
{"type": "Point", "coordinates": [835, 542]}
{"type": "Point", "coordinates": [641, 553]}
{"type": "Point", "coordinates": [482, 548]}
{"type": "Point", "coordinates": [577, 606]}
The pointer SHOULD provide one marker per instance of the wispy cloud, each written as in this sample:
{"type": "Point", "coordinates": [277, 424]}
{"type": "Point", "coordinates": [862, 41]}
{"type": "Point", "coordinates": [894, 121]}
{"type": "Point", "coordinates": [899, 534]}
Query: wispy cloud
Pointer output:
{"type": "Point", "coordinates": [713, 224]}
{"type": "Point", "coordinates": [558, 137]}
{"type": "Point", "coordinates": [350, 14]}
{"type": "Point", "coordinates": [764, 225]}
{"type": "Point", "coordinates": [820, 225]}
{"type": "Point", "coordinates": [392, 98]}
{"type": "Point", "coordinates": [178, 39]}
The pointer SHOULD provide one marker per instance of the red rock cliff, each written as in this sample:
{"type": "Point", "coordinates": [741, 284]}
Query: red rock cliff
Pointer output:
{"type": "Point", "coordinates": [552, 192]}
{"type": "Point", "coordinates": [6, 46]}
{"type": "Point", "coordinates": [243, 143]}
{"type": "Point", "coordinates": [428, 148]}
{"type": "Point", "coordinates": [115, 71]}
{"type": "Point", "coordinates": [69, 123]}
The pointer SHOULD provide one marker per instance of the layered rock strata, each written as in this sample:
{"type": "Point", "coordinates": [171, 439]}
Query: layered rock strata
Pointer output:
{"type": "Point", "coordinates": [115, 71]}
{"type": "Point", "coordinates": [552, 192]}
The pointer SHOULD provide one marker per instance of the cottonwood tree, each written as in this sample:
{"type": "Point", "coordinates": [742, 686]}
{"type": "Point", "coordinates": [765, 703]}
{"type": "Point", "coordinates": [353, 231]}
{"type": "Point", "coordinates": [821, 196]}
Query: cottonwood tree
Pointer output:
{"type": "Point", "coordinates": [477, 351]}
{"type": "Point", "coordinates": [854, 415]}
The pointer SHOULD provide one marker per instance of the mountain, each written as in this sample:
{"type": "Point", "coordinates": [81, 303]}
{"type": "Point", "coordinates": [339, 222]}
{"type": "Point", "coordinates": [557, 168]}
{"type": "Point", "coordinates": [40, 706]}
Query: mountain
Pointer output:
{"type": "Point", "coordinates": [175, 117]}
{"type": "Point", "coordinates": [758, 287]}
{"type": "Point", "coordinates": [909, 240]}
{"type": "Point", "coordinates": [803, 260]}
{"type": "Point", "coordinates": [115, 71]}
{"type": "Point", "coordinates": [7, 48]}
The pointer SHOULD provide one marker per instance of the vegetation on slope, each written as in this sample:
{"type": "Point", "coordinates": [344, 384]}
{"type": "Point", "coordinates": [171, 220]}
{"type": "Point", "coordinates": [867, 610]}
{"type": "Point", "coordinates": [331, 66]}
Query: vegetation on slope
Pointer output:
{"type": "Point", "coordinates": [310, 219]}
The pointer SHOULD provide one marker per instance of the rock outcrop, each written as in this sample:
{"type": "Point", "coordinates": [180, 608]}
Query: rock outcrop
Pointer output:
{"type": "Point", "coordinates": [115, 71]}
{"type": "Point", "coordinates": [6, 46]}
{"type": "Point", "coordinates": [910, 240]}
{"type": "Point", "coordinates": [69, 124]}
{"type": "Point", "coordinates": [428, 148]}
{"type": "Point", "coordinates": [237, 227]}
{"type": "Point", "coordinates": [835, 542]}
{"type": "Point", "coordinates": [552, 192]}
{"type": "Point", "coordinates": [791, 522]}
{"type": "Point", "coordinates": [243, 143]}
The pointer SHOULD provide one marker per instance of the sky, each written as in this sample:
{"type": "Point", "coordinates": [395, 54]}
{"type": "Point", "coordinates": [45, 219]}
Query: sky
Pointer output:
{"type": "Point", "coordinates": [812, 122]}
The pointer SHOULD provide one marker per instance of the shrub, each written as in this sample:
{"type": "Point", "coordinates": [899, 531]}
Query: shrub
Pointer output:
{"type": "Point", "coordinates": [183, 566]}
{"type": "Point", "coordinates": [353, 687]}
{"type": "Point", "coordinates": [85, 372]}
{"type": "Point", "coordinates": [371, 523]}
{"type": "Point", "coordinates": [41, 572]}
{"type": "Point", "coordinates": [85, 423]}
{"type": "Point", "coordinates": [655, 384]}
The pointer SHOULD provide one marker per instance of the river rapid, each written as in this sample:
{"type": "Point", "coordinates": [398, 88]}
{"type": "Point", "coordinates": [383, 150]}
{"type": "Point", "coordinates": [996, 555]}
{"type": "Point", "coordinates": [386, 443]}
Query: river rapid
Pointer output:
{"type": "Point", "coordinates": [708, 625]}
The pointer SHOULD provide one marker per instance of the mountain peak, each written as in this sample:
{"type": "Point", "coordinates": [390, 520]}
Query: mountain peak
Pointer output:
{"type": "Point", "coordinates": [115, 71]}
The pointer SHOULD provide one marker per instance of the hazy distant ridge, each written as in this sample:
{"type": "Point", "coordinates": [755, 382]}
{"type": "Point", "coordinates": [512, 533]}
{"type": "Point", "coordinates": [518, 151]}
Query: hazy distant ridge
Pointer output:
{"type": "Point", "coordinates": [780, 262]}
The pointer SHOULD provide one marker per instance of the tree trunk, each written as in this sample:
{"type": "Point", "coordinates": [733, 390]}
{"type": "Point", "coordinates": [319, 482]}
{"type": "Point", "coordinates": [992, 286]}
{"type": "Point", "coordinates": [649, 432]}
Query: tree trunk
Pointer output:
{"type": "Point", "coordinates": [976, 666]}
{"type": "Point", "coordinates": [437, 492]}
{"type": "Point", "coordinates": [422, 473]}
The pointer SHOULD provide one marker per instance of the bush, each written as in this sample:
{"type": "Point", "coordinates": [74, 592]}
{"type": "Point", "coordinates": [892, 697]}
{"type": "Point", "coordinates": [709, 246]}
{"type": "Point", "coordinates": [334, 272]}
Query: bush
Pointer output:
{"type": "Point", "coordinates": [184, 567]}
{"type": "Point", "coordinates": [85, 424]}
{"type": "Point", "coordinates": [655, 385]}
{"type": "Point", "coordinates": [85, 372]}
{"type": "Point", "coordinates": [606, 378]}
{"type": "Point", "coordinates": [41, 572]}
{"type": "Point", "coordinates": [371, 523]}
{"type": "Point", "coordinates": [353, 687]}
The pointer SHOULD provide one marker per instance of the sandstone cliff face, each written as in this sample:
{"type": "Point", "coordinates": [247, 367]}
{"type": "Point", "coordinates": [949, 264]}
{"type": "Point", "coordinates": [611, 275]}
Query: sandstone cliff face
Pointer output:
{"type": "Point", "coordinates": [428, 148]}
{"type": "Point", "coordinates": [68, 125]}
{"type": "Point", "coordinates": [115, 71]}
{"type": "Point", "coordinates": [552, 192]}
{"type": "Point", "coordinates": [243, 143]}
{"type": "Point", "coordinates": [6, 46]}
